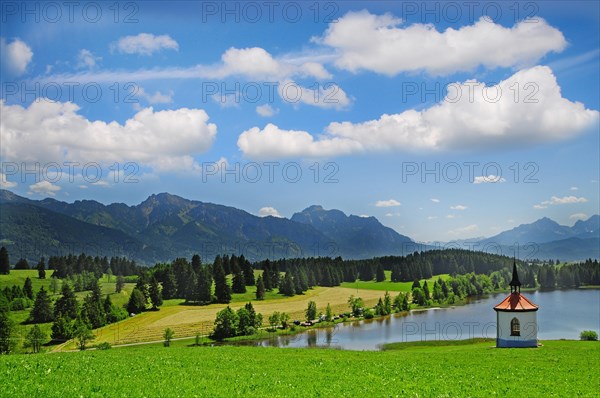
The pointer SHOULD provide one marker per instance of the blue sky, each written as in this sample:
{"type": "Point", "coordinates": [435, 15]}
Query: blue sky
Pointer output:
{"type": "Point", "coordinates": [443, 120]}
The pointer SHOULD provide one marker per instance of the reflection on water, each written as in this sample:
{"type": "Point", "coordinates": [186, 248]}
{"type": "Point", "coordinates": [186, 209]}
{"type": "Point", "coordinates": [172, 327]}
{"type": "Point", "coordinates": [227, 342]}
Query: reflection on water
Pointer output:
{"type": "Point", "coordinates": [562, 314]}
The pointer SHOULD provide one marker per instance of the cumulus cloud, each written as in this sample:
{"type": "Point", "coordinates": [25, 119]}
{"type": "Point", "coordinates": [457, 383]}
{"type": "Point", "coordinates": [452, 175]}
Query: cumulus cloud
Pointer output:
{"type": "Point", "coordinates": [87, 59]}
{"type": "Point", "coordinates": [273, 142]}
{"type": "Point", "coordinates": [574, 189]}
{"type": "Point", "coordinates": [257, 63]}
{"type": "Point", "coordinates": [44, 188]}
{"type": "Point", "coordinates": [434, 200]}
{"type": "Point", "coordinates": [379, 43]}
{"type": "Point", "coordinates": [488, 179]}
{"type": "Point", "coordinates": [473, 116]}
{"type": "Point", "coordinates": [15, 55]}
{"type": "Point", "coordinates": [145, 44]}
{"type": "Point", "coordinates": [458, 207]}
{"type": "Point", "coordinates": [266, 110]}
{"type": "Point", "coordinates": [269, 211]}
{"type": "Point", "coordinates": [554, 200]}
{"type": "Point", "coordinates": [387, 203]}
{"type": "Point", "coordinates": [4, 183]}
{"type": "Point", "coordinates": [54, 132]}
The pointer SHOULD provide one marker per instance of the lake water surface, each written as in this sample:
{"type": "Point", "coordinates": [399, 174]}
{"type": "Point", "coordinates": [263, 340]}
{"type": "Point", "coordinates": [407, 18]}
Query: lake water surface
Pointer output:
{"type": "Point", "coordinates": [562, 314]}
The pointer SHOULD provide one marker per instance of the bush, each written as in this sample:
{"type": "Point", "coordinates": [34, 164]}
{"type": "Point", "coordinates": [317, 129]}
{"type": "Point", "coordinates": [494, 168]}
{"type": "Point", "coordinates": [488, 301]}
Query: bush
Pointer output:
{"type": "Point", "coordinates": [588, 335]}
{"type": "Point", "coordinates": [368, 314]}
{"type": "Point", "coordinates": [103, 346]}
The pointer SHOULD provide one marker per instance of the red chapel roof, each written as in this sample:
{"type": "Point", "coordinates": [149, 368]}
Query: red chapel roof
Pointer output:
{"type": "Point", "coordinates": [516, 302]}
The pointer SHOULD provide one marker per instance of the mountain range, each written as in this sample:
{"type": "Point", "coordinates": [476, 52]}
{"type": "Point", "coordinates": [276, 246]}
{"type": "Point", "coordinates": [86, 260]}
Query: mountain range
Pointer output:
{"type": "Point", "coordinates": [166, 226]}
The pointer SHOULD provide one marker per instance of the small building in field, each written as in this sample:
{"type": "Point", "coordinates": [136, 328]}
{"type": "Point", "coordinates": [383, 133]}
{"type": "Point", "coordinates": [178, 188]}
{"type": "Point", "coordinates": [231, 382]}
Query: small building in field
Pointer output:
{"type": "Point", "coordinates": [516, 318]}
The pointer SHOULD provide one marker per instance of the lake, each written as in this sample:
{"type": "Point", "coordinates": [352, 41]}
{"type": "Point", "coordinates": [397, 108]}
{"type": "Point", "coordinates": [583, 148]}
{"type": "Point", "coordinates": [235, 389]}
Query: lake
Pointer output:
{"type": "Point", "coordinates": [562, 314]}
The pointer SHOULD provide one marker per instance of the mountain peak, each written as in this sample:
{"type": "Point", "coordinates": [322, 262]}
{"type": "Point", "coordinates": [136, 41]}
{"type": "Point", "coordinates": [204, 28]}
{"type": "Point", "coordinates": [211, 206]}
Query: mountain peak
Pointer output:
{"type": "Point", "coordinates": [313, 208]}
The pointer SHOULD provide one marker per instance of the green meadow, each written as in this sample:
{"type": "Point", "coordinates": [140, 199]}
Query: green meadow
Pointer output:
{"type": "Point", "coordinates": [390, 286]}
{"type": "Point", "coordinates": [558, 369]}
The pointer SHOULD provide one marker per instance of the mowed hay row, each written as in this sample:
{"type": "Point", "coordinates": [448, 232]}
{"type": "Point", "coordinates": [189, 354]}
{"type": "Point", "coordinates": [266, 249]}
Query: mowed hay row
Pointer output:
{"type": "Point", "coordinates": [187, 321]}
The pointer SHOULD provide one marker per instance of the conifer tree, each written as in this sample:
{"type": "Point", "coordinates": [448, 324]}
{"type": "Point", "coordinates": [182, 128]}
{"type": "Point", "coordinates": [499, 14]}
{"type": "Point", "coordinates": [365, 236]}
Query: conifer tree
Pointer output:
{"type": "Point", "coordinates": [222, 288]}
{"type": "Point", "coordinates": [238, 283]}
{"type": "Point", "coordinates": [120, 284]}
{"type": "Point", "coordinates": [260, 288]}
{"type": "Point", "coordinates": [41, 268]}
{"type": "Point", "coordinates": [28, 288]}
{"type": "Point", "coordinates": [155, 294]}
{"type": "Point", "coordinates": [169, 286]}
{"type": "Point", "coordinates": [204, 286]}
{"type": "Point", "coordinates": [42, 308]}
{"type": "Point", "coordinates": [380, 275]}
{"type": "Point", "coordinates": [67, 304]}
{"type": "Point", "coordinates": [4, 261]}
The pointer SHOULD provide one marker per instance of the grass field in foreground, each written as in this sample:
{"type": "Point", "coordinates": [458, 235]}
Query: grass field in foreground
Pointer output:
{"type": "Point", "coordinates": [558, 369]}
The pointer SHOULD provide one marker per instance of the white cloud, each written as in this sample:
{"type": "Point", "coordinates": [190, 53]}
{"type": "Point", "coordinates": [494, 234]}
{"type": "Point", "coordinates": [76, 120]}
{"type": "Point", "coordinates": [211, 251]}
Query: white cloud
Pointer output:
{"type": "Point", "coordinates": [83, 187]}
{"type": "Point", "coordinates": [574, 189]}
{"type": "Point", "coordinates": [450, 216]}
{"type": "Point", "coordinates": [434, 200]}
{"type": "Point", "coordinates": [492, 179]}
{"type": "Point", "coordinates": [364, 41]}
{"type": "Point", "coordinates": [15, 55]}
{"type": "Point", "coordinates": [145, 44]}
{"type": "Point", "coordinates": [431, 217]}
{"type": "Point", "coordinates": [101, 183]}
{"type": "Point", "coordinates": [327, 96]}
{"type": "Point", "coordinates": [44, 188]}
{"type": "Point", "coordinates": [269, 211]}
{"type": "Point", "coordinates": [578, 216]}
{"type": "Point", "coordinates": [55, 132]}
{"type": "Point", "coordinates": [396, 214]}
{"type": "Point", "coordinates": [253, 63]}
{"type": "Point", "coordinates": [87, 59]}
{"type": "Point", "coordinates": [554, 200]}
{"type": "Point", "coordinates": [257, 63]}
{"type": "Point", "coordinates": [458, 207]}
{"type": "Point", "coordinates": [273, 142]}
{"type": "Point", "coordinates": [464, 230]}
{"type": "Point", "coordinates": [465, 122]}
{"type": "Point", "coordinates": [156, 98]}
{"type": "Point", "coordinates": [387, 203]}
{"type": "Point", "coordinates": [4, 183]}
{"type": "Point", "coordinates": [266, 110]}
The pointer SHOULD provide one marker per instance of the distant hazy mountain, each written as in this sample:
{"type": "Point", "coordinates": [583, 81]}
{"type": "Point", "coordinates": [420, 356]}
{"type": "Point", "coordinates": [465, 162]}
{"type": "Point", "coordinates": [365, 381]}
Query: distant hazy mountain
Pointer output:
{"type": "Point", "coordinates": [166, 226]}
{"type": "Point", "coordinates": [546, 230]}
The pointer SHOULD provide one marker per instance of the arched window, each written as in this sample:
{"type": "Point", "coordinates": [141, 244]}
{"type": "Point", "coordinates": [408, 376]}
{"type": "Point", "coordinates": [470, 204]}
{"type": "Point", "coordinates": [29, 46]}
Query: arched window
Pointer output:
{"type": "Point", "coordinates": [515, 327]}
